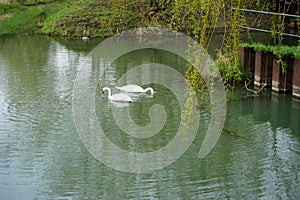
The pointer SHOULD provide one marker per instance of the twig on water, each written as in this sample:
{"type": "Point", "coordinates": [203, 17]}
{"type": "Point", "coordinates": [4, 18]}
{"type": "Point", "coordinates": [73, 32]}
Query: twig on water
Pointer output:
{"type": "Point", "coordinates": [256, 92]}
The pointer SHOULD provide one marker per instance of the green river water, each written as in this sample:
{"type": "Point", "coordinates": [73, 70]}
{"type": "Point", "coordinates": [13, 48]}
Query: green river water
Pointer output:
{"type": "Point", "coordinates": [42, 156]}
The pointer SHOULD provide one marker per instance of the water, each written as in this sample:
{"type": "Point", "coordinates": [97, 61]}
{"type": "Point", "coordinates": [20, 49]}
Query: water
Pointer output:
{"type": "Point", "coordinates": [42, 156]}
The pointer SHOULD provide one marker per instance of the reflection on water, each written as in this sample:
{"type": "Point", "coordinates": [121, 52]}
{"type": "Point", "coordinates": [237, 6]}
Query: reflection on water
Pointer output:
{"type": "Point", "coordinates": [42, 157]}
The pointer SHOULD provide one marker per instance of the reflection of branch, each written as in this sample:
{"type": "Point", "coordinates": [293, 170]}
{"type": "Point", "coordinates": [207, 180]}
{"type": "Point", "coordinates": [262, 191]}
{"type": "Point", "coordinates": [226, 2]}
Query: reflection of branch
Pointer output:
{"type": "Point", "coordinates": [261, 88]}
{"type": "Point", "coordinates": [254, 91]}
{"type": "Point", "coordinates": [246, 86]}
{"type": "Point", "coordinates": [232, 133]}
{"type": "Point", "coordinates": [204, 106]}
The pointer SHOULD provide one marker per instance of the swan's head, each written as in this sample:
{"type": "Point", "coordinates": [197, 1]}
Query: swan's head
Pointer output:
{"type": "Point", "coordinates": [149, 89]}
{"type": "Point", "coordinates": [105, 88]}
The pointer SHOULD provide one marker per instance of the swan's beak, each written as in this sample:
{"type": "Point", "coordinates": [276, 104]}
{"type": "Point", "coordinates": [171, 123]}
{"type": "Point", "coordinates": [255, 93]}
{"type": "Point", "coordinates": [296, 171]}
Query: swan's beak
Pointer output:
{"type": "Point", "coordinates": [102, 91]}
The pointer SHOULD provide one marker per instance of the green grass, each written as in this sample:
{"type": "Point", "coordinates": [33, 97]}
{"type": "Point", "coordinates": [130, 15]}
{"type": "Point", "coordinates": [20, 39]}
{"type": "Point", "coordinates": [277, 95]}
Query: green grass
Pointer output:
{"type": "Point", "coordinates": [287, 50]}
{"type": "Point", "coordinates": [15, 17]}
{"type": "Point", "coordinates": [258, 46]}
{"type": "Point", "coordinates": [278, 50]}
{"type": "Point", "coordinates": [9, 7]}
{"type": "Point", "coordinates": [21, 20]}
{"type": "Point", "coordinates": [90, 18]}
{"type": "Point", "coordinates": [68, 18]}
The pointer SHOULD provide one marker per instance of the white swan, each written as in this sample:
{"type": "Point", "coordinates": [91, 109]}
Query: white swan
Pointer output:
{"type": "Point", "coordinates": [135, 88]}
{"type": "Point", "coordinates": [85, 38]}
{"type": "Point", "coordinates": [118, 96]}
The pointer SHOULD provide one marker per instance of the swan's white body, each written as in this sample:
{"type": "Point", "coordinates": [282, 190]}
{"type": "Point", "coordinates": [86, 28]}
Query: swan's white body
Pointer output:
{"type": "Point", "coordinates": [135, 88]}
{"type": "Point", "coordinates": [118, 96]}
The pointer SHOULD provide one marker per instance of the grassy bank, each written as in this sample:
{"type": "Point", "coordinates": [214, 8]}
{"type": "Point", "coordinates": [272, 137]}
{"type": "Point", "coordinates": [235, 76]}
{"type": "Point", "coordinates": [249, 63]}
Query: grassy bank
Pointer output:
{"type": "Point", "coordinates": [28, 16]}
{"type": "Point", "coordinates": [68, 18]}
{"type": "Point", "coordinates": [94, 19]}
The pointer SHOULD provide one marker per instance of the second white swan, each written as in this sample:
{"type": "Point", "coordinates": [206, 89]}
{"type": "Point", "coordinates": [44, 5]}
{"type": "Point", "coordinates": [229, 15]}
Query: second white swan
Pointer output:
{"type": "Point", "coordinates": [118, 96]}
{"type": "Point", "coordinates": [135, 88]}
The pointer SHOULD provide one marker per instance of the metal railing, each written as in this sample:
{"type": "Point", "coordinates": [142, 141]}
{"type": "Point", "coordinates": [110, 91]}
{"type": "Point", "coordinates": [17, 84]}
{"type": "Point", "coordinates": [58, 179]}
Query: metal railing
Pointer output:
{"type": "Point", "coordinates": [269, 13]}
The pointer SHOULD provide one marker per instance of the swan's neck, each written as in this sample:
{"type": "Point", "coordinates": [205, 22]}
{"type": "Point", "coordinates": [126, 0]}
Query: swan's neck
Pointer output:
{"type": "Point", "coordinates": [149, 89]}
{"type": "Point", "coordinates": [108, 90]}
{"type": "Point", "coordinates": [109, 93]}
